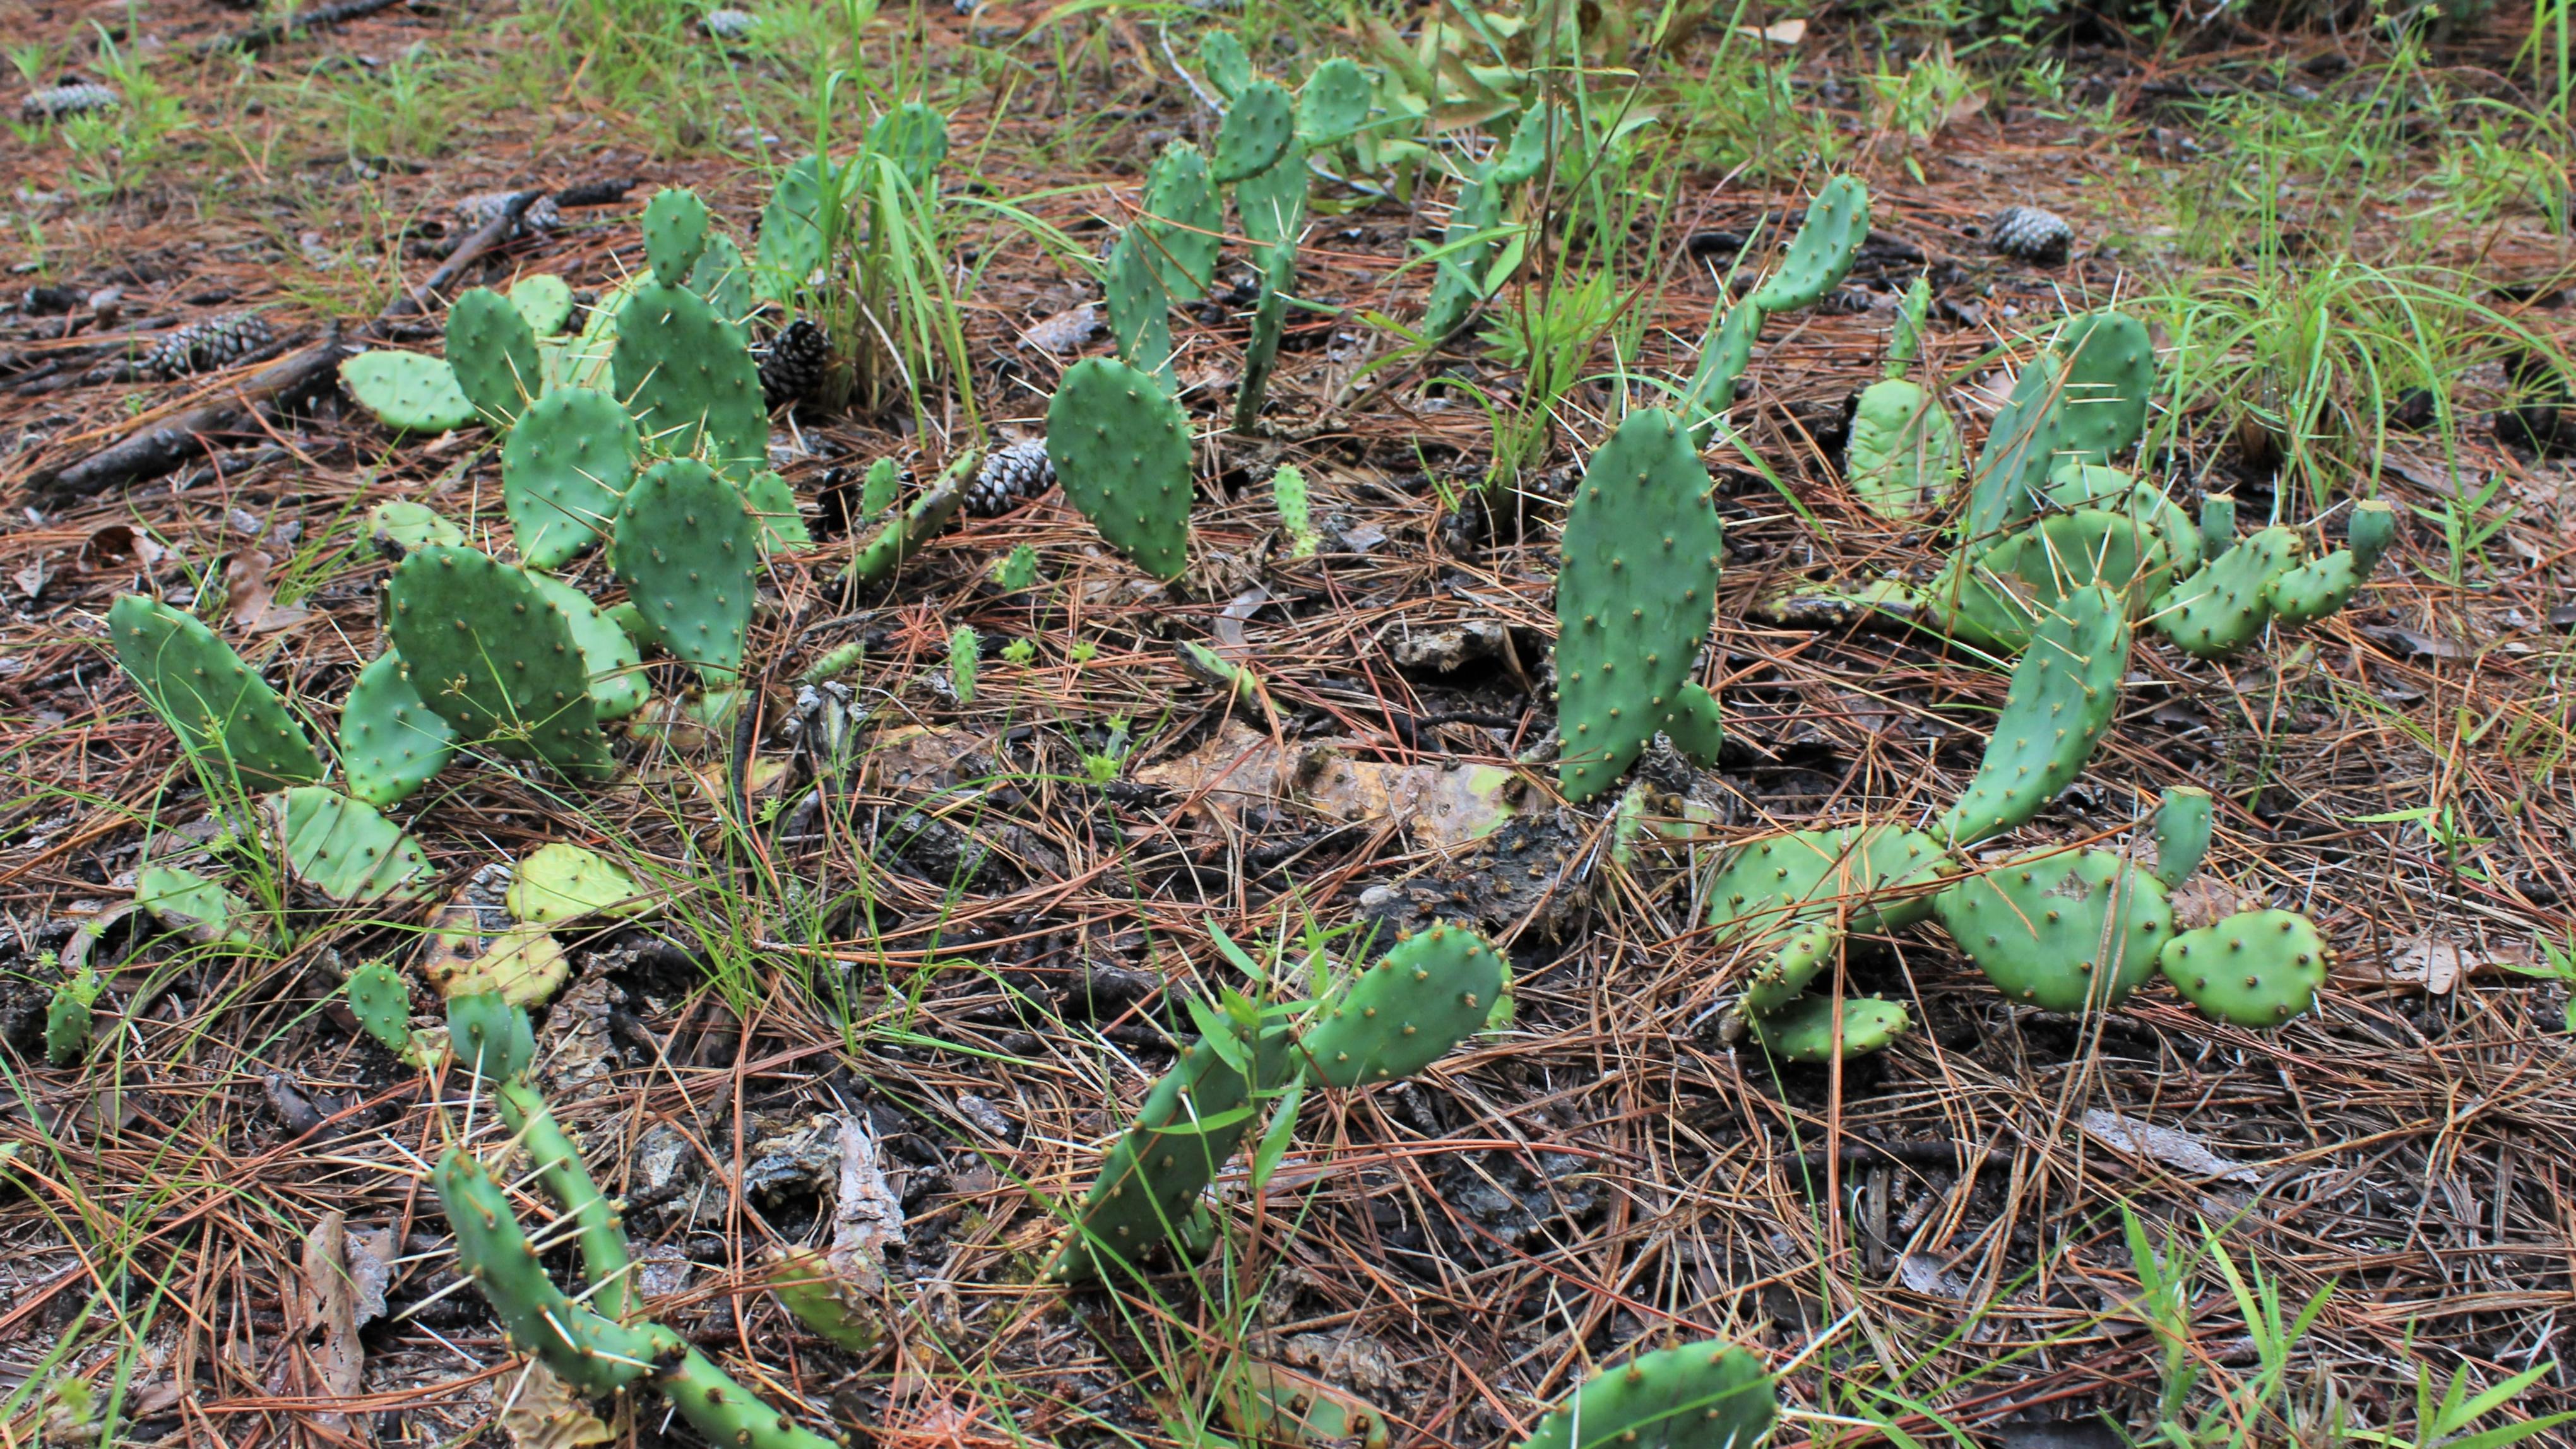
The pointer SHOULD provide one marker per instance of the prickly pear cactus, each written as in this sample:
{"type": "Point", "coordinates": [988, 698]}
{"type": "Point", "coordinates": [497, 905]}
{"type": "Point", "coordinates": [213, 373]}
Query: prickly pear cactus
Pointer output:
{"type": "Point", "coordinates": [222, 711]}
{"type": "Point", "coordinates": [1997, 596]}
{"type": "Point", "coordinates": [1458, 280]}
{"type": "Point", "coordinates": [772, 501]}
{"type": "Point", "coordinates": [1790, 966]}
{"type": "Point", "coordinates": [1257, 131]}
{"type": "Point", "coordinates": [1904, 449]}
{"type": "Point", "coordinates": [1696, 1396]}
{"type": "Point", "coordinates": [407, 391]}
{"type": "Point", "coordinates": [2220, 609]}
{"type": "Point", "coordinates": [1723, 356]}
{"type": "Point", "coordinates": [723, 277]}
{"type": "Point", "coordinates": [490, 1037]}
{"type": "Point", "coordinates": [344, 849]}
{"type": "Point", "coordinates": [1422, 998]}
{"type": "Point", "coordinates": [2064, 694]}
{"type": "Point", "coordinates": [391, 743]}
{"type": "Point", "coordinates": [2256, 968]}
{"type": "Point", "coordinates": [1121, 449]}
{"type": "Point", "coordinates": [561, 882]}
{"type": "Point", "coordinates": [2018, 455]}
{"type": "Point", "coordinates": [2071, 932]}
{"type": "Point", "coordinates": [1803, 1031]}
{"type": "Point", "coordinates": [675, 232]}
{"type": "Point", "coordinates": [589, 1352]}
{"type": "Point", "coordinates": [399, 526]}
{"type": "Point", "coordinates": [1228, 66]}
{"type": "Point", "coordinates": [1635, 595]}
{"type": "Point", "coordinates": [1140, 325]}
{"type": "Point", "coordinates": [195, 907]}
{"type": "Point", "coordinates": [545, 300]}
{"type": "Point", "coordinates": [609, 656]}
{"type": "Point", "coordinates": [1821, 254]}
{"type": "Point", "coordinates": [1877, 876]}
{"type": "Point", "coordinates": [68, 1021]}
{"type": "Point", "coordinates": [493, 351]}
{"type": "Point", "coordinates": [1184, 221]}
{"type": "Point", "coordinates": [2182, 833]}
{"type": "Point", "coordinates": [381, 1002]}
{"type": "Point", "coordinates": [2082, 400]}
{"type": "Point", "coordinates": [688, 376]}
{"type": "Point", "coordinates": [915, 138]}
{"type": "Point", "coordinates": [791, 227]}
{"type": "Point", "coordinates": [488, 651]}
{"type": "Point", "coordinates": [564, 472]}
{"type": "Point", "coordinates": [686, 550]}
{"type": "Point", "coordinates": [1333, 103]}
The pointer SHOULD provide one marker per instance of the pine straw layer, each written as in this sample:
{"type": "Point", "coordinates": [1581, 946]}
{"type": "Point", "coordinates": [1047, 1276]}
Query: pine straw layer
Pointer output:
{"type": "Point", "coordinates": [1599, 1179]}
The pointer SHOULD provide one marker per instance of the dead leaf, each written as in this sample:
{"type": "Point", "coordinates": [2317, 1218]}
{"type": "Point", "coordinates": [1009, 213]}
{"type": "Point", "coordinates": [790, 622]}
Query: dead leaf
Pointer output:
{"type": "Point", "coordinates": [525, 965]}
{"type": "Point", "coordinates": [2178, 1150]}
{"type": "Point", "coordinates": [2206, 900]}
{"type": "Point", "coordinates": [252, 600]}
{"type": "Point", "coordinates": [1785, 32]}
{"type": "Point", "coordinates": [544, 1413]}
{"type": "Point", "coordinates": [579, 1052]}
{"type": "Point", "coordinates": [911, 759]}
{"type": "Point", "coordinates": [329, 1310]}
{"type": "Point", "coordinates": [2436, 966]}
{"type": "Point", "coordinates": [1925, 1275]}
{"type": "Point", "coordinates": [1238, 767]}
{"type": "Point", "coordinates": [1065, 332]}
{"type": "Point", "coordinates": [1444, 805]}
{"type": "Point", "coordinates": [32, 579]}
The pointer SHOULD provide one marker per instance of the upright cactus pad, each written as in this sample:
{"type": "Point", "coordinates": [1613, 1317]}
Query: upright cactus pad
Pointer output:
{"type": "Point", "coordinates": [222, 712]}
{"type": "Point", "coordinates": [564, 472]}
{"type": "Point", "coordinates": [1821, 254]}
{"type": "Point", "coordinates": [1635, 595]}
{"type": "Point", "coordinates": [1905, 342]}
{"type": "Point", "coordinates": [2109, 375]}
{"type": "Point", "coordinates": [2031, 570]}
{"type": "Point", "coordinates": [391, 743]}
{"type": "Point", "coordinates": [2013, 468]}
{"type": "Point", "coordinates": [407, 391]}
{"type": "Point", "coordinates": [1227, 65]}
{"type": "Point", "coordinates": [1877, 878]}
{"type": "Point", "coordinates": [1183, 222]}
{"type": "Point", "coordinates": [688, 376]}
{"type": "Point", "coordinates": [723, 277]}
{"type": "Point", "coordinates": [675, 232]}
{"type": "Point", "coordinates": [2217, 524]}
{"type": "Point", "coordinates": [486, 649]}
{"type": "Point", "coordinates": [489, 1036]}
{"type": "Point", "coordinates": [1333, 103]}
{"type": "Point", "coordinates": [1723, 356]}
{"type": "Point", "coordinates": [2372, 530]}
{"type": "Point", "coordinates": [1257, 131]}
{"type": "Point", "coordinates": [1803, 1031]}
{"type": "Point", "coordinates": [611, 659]}
{"type": "Point", "coordinates": [1904, 449]}
{"type": "Point", "coordinates": [2220, 609]}
{"type": "Point", "coordinates": [2064, 694]}
{"type": "Point", "coordinates": [545, 300]}
{"type": "Point", "coordinates": [493, 351]}
{"type": "Point", "coordinates": [791, 227]}
{"type": "Point", "coordinates": [345, 849]}
{"type": "Point", "coordinates": [1696, 1396]}
{"type": "Point", "coordinates": [2070, 932]}
{"type": "Point", "coordinates": [2182, 833]}
{"type": "Point", "coordinates": [772, 501]}
{"type": "Point", "coordinates": [1422, 998]}
{"type": "Point", "coordinates": [1140, 325]}
{"type": "Point", "coordinates": [915, 138]}
{"type": "Point", "coordinates": [1121, 448]}
{"type": "Point", "coordinates": [686, 551]}
{"type": "Point", "coordinates": [2256, 968]}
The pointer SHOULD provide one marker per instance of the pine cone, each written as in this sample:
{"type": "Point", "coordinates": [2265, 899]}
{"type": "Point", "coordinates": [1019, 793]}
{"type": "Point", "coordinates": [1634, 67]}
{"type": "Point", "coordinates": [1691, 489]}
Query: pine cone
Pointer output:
{"type": "Point", "coordinates": [69, 99]}
{"type": "Point", "coordinates": [728, 25]}
{"type": "Point", "coordinates": [2029, 234]}
{"type": "Point", "coordinates": [1010, 476]}
{"type": "Point", "coordinates": [477, 212]}
{"type": "Point", "coordinates": [791, 369]}
{"type": "Point", "coordinates": [217, 342]}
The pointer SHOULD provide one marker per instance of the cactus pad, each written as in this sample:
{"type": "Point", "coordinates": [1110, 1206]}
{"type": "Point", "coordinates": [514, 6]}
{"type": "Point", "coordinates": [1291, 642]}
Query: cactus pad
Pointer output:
{"type": "Point", "coordinates": [689, 377]}
{"type": "Point", "coordinates": [2069, 932]}
{"type": "Point", "coordinates": [772, 501]}
{"type": "Point", "coordinates": [589, 1352]}
{"type": "Point", "coordinates": [1121, 448]}
{"type": "Point", "coordinates": [808, 1288]}
{"type": "Point", "coordinates": [391, 743]}
{"type": "Point", "coordinates": [675, 232]}
{"type": "Point", "coordinates": [1140, 324]}
{"type": "Point", "coordinates": [1634, 597]}
{"type": "Point", "coordinates": [1223, 59]}
{"type": "Point", "coordinates": [399, 526]}
{"type": "Point", "coordinates": [2182, 833]}
{"type": "Point", "coordinates": [221, 710]}
{"type": "Point", "coordinates": [1821, 254]}
{"type": "Point", "coordinates": [686, 551]}
{"type": "Point", "coordinates": [493, 352]}
{"type": "Point", "coordinates": [915, 138]}
{"type": "Point", "coordinates": [723, 277]}
{"type": "Point", "coordinates": [2014, 466]}
{"type": "Point", "coordinates": [2220, 609]}
{"type": "Point", "coordinates": [1333, 103]}
{"type": "Point", "coordinates": [1904, 449]}
{"type": "Point", "coordinates": [490, 1036]}
{"type": "Point", "coordinates": [2102, 401]}
{"type": "Point", "coordinates": [1256, 132]}
{"type": "Point", "coordinates": [1183, 221]}
{"type": "Point", "coordinates": [407, 391]}
{"type": "Point", "coordinates": [195, 907]}
{"type": "Point", "coordinates": [344, 849]}
{"type": "Point", "coordinates": [561, 882]}
{"type": "Point", "coordinates": [564, 472]}
{"type": "Point", "coordinates": [2314, 589]}
{"type": "Point", "coordinates": [1876, 876]}
{"type": "Point", "coordinates": [1695, 1396]}
{"type": "Point", "coordinates": [791, 227]}
{"type": "Point", "coordinates": [1395, 1018]}
{"type": "Point", "coordinates": [545, 300]}
{"type": "Point", "coordinates": [610, 658]}
{"type": "Point", "coordinates": [1803, 1031]}
{"type": "Point", "coordinates": [1723, 355]}
{"type": "Point", "coordinates": [2256, 968]}
{"type": "Point", "coordinates": [487, 650]}
{"type": "Point", "coordinates": [381, 1001]}
{"type": "Point", "coordinates": [2064, 693]}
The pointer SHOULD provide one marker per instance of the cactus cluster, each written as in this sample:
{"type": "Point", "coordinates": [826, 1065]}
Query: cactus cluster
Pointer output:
{"type": "Point", "coordinates": [2266, 576]}
{"type": "Point", "coordinates": [1792, 898]}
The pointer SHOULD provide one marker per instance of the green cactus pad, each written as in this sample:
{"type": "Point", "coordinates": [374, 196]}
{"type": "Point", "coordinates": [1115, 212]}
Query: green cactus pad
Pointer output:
{"type": "Point", "coordinates": [675, 232]}
{"type": "Point", "coordinates": [545, 300]}
{"type": "Point", "coordinates": [398, 527]}
{"type": "Point", "coordinates": [594, 1354]}
{"type": "Point", "coordinates": [1458, 282]}
{"type": "Point", "coordinates": [1879, 877]}
{"type": "Point", "coordinates": [344, 849]}
{"type": "Point", "coordinates": [2182, 833]}
{"type": "Point", "coordinates": [1904, 450]}
{"type": "Point", "coordinates": [689, 378]}
{"type": "Point", "coordinates": [1697, 725]}
{"type": "Point", "coordinates": [2314, 589]}
{"type": "Point", "coordinates": [493, 352]}
{"type": "Point", "coordinates": [1696, 1396]}
{"type": "Point", "coordinates": [2064, 694]}
{"type": "Point", "coordinates": [195, 907]}
{"type": "Point", "coordinates": [902, 536]}
{"type": "Point", "coordinates": [561, 882]}
{"type": "Point", "coordinates": [1257, 131]}
{"type": "Point", "coordinates": [772, 501]}
{"type": "Point", "coordinates": [2110, 373]}
{"type": "Point", "coordinates": [2372, 529]}
{"type": "Point", "coordinates": [1821, 254]}
{"type": "Point", "coordinates": [564, 471]}
{"type": "Point", "coordinates": [610, 658]}
{"type": "Point", "coordinates": [2013, 468]}
{"type": "Point", "coordinates": [557, 1162]}
{"type": "Point", "coordinates": [2068, 932]}
{"type": "Point", "coordinates": [222, 711]}
{"type": "Point", "coordinates": [68, 1021]}
{"type": "Point", "coordinates": [914, 137]}
{"type": "Point", "coordinates": [1184, 221]}
{"type": "Point", "coordinates": [381, 1001]}
{"type": "Point", "coordinates": [2220, 609]}
{"type": "Point", "coordinates": [2217, 524]}
{"type": "Point", "coordinates": [2027, 575]}
{"type": "Point", "coordinates": [1223, 60]}
{"type": "Point", "coordinates": [391, 743]}
{"type": "Point", "coordinates": [1140, 325]}
{"type": "Point", "coordinates": [1635, 595]}
{"type": "Point", "coordinates": [490, 652]}
{"type": "Point", "coordinates": [1905, 342]}
{"type": "Point", "coordinates": [2106, 489]}
{"type": "Point", "coordinates": [687, 551]}
{"type": "Point", "coordinates": [1121, 448]}
{"type": "Point", "coordinates": [823, 1301]}
{"type": "Point", "coordinates": [1269, 319]}
{"type": "Point", "coordinates": [2256, 968]}
{"type": "Point", "coordinates": [1422, 998]}
{"type": "Point", "coordinates": [490, 1037]}
{"type": "Point", "coordinates": [1803, 1031]}
{"type": "Point", "coordinates": [1272, 204]}
{"type": "Point", "coordinates": [1723, 355]}
{"type": "Point", "coordinates": [1333, 103]}
{"type": "Point", "coordinates": [723, 278]}
{"type": "Point", "coordinates": [407, 391]}
{"type": "Point", "coordinates": [1788, 966]}
{"type": "Point", "coordinates": [791, 228]}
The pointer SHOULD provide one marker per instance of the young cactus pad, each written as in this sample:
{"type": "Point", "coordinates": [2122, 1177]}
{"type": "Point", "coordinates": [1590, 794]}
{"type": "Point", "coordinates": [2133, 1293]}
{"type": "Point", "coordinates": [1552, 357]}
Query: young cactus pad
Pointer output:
{"type": "Point", "coordinates": [675, 231]}
{"type": "Point", "coordinates": [219, 708]}
{"type": "Point", "coordinates": [1904, 449]}
{"type": "Point", "coordinates": [381, 1001]}
{"type": "Point", "coordinates": [1431, 992]}
{"type": "Point", "coordinates": [1635, 595]}
{"type": "Point", "coordinates": [1878, 875]}
{"type": "Point", "coordinates": [1821, 254]}
{"type": "Point", "coordinates": [2256, 968]}
{"type": "Point", "coordinates": [68, 1021]}
{"type": "Point", "coordinates": [407, 391]}
{"type": "Point", "coordinates": [345, 849]}
{"type": "Point", "coordinates": [2070, 932]}
{"type": "Point", "coordinates": [689, 377]}
{"type": "Point", "coordinates": [561, 882]}
{"type": "Point", "coordinates": [1184, 221]}
{"type": "Point", "coordinates": [2220, 609]}
{"type": "Point", "coordinates": [493, 351]}
{"type": "Point", "coordinates": [564, 471]}
{"type": "Point", "coordinates": [2063, 696]}
{"type": "Point", "coordinates": [1121, 449]}
{"type": "Point", "coordinates": [1258, 129]}
{"type": "Point", "coordinates": [1140, 325]}
{"type": "Point", "coordinates": [1695, 1396]}
{"type": "Point", "coordinates": [486, 649]}
{"type": "Point", "coordinates": [686, 550]}
{"type": "Point", "coordinates": [1803, 1031]}
{"type": "Point", "coordinates": [2182, 833]}
{"type": "Point", "coordinates": [391, 743]}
